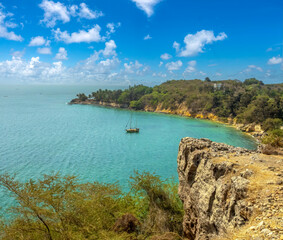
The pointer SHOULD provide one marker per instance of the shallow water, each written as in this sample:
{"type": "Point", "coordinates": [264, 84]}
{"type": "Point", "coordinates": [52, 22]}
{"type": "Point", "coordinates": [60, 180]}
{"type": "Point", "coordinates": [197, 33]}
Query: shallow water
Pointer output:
{"type": "Point", "coordinates": [40, 134]}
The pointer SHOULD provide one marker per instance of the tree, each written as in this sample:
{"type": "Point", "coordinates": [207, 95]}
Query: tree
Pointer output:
{"type": "Point", "coordinates": [82, 96]}
{"type": "Point", "coordinates": [62, 208]}
{"type": "Point", "coordinates": [207, 79]}
{"type": "Point", "coordinates": [251, 81]}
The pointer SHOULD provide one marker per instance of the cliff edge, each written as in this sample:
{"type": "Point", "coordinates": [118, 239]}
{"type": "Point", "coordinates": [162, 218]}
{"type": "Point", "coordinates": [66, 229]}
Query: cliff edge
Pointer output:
{"type": "Point", "coordinates": [229, 192]}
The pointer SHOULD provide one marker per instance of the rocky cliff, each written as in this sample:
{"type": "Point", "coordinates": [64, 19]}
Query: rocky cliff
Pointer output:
{"type": "Point", "coordinates": [223, 189]}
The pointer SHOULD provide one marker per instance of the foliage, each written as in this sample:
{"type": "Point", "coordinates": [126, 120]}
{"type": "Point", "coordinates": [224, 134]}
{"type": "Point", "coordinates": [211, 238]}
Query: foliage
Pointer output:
{"type": "Point", "coordinates": [274, 138]}
{"type": "Point", "coordinates": [250, 101]}
{"type": "Point", "coordinates": [251, 81]}
{"type": "Point", "coordinates": [58, 207]}
{"type": "Point", "coordinates": [272, 124]}
{"type": "Point", "coordinates": [82, 96]}
{"type": "Point", "coordinates": [159, 205]}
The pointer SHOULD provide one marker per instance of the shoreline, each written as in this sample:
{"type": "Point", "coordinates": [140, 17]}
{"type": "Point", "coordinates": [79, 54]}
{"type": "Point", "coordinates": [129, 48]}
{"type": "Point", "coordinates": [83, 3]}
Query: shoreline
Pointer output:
{"type": "Point", "coordinates": [182, 113]}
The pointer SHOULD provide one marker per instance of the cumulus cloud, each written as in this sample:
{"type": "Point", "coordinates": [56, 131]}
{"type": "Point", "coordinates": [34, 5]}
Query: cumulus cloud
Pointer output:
{"type": "Point", "coordinates": [37, 41]}
{"type": "Point", "coordinates": [100, 67]}
{"type": "Point", "coordinates": [165, 56]}
{"type": "Point", "coordinates": [176, 46]}
{"type": "Point", "coordinates": [172, 66]}
{"type": "Point", "coordinates": [54, 12]}
{"type": "Point", "coordinates": [275, 60]}
{"type": "Point", "coordinates": [62, 54]}
{"type": "Point", "coordinates": [147, 37]}
{"type": "Point", "coordinates": [85, 12]}
{"type": "Point", "coordinates": [255, 67]}
{"type": "Point", "coordinates": [132, 67]}
{"type": "Point", "coordinates": [6, 24]}
{"type": "Point", "coordinates": [93, 69]}
{"type": "Point", "coordinates": [191, 66]}
{"type": "Point", "coordinates": [146, 5]}
{"type": "Point", "coordinates": [110, 48]}
{"type": "Point", "coordinates": [251, 68]}
{"type": "Point", "coordinates": [44, 50]}
{"type": "Point", "coordinates": [57, 12]}
{"type": "Point", "coordinates": [112, 28]}
{"type": "Point", "coordinates": [195, 43]}
{"type": "Point", "coordinates": [91, 35]}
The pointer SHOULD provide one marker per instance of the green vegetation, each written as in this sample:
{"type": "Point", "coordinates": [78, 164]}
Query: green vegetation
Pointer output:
{"type": "Point", "coordinates": [274, 135]}
{"type": "Point", "coordinates": [250, 101]}
{"type": "Point", "coordinates": [57, 207]}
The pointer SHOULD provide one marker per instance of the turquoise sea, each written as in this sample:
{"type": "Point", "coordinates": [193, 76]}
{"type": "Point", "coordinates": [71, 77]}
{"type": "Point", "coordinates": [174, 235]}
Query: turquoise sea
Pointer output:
{"type": "Point", "coordinates": [40, 134]}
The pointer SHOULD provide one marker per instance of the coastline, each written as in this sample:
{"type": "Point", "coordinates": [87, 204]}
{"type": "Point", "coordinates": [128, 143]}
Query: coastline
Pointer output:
{"type": "Point", "coordinates": [253, 130]}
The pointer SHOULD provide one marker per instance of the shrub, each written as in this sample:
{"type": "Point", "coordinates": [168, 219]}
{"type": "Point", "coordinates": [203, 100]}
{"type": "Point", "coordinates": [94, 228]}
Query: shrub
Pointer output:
{"type": "Point", "coordinates": [161, 210]}
{"type": "Point", "coordinates": [274, 138]}
{"type": "Point", "coordinates": [58, 207]}
{"type": "Point", "coordinates": [272, 124]}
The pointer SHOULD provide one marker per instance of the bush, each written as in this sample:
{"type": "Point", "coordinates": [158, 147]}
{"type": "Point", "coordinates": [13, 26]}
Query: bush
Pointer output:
{"type": "Point", "coordinates": [274, 138]}
{"type": "Point", "coordinates": [58, 207]}
{"type": "Point", "coordinates": [161, 210]}
{"type": "Point", "coordinates": [272, 124]}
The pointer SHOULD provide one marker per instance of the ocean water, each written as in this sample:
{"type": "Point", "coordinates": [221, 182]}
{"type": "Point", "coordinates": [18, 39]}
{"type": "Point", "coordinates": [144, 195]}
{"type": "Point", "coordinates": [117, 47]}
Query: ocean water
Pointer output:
{"type": "Point", "coordinates": [40, 134]}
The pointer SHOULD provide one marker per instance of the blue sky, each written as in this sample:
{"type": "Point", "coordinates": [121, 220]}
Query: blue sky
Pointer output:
{"type": "Point", "coordinates": [139, 41]}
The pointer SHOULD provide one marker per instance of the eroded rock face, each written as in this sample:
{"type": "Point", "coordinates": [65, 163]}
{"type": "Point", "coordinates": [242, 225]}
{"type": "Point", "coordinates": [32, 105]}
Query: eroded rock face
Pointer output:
{"type": "Point", "coordinates": [213, 195]}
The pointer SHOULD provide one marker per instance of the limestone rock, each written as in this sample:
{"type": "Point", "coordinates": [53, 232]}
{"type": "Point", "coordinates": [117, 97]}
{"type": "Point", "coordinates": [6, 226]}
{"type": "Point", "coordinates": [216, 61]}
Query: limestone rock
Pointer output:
{"type": "Point", "coordinates": [213, 195]}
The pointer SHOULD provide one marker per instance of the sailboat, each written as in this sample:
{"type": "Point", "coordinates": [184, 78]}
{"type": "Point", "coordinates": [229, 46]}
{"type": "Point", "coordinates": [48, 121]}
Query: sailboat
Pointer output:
{"type": "Point", "coordinates": [132, 130]}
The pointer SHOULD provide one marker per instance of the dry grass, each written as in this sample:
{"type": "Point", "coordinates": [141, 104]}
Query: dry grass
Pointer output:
{"type": "Point", "coordinates": [262, 186]}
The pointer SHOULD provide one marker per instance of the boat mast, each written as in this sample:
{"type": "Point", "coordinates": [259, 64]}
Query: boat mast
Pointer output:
{"type": "Point", "coordinates": [131, 121]}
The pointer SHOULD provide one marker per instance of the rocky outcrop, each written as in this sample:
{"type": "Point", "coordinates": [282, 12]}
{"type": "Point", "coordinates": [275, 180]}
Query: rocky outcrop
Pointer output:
{"type": "Point", "coordinates": [98, 103]}
{"type": "Point", "coordinates": [228, 192]}
{"type": "Point", "coordinates": [212, 194]}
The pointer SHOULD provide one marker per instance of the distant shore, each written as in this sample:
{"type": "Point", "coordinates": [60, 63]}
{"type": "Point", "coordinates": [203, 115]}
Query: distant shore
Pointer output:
{"type": "Point", "coordinates": [253, 130]}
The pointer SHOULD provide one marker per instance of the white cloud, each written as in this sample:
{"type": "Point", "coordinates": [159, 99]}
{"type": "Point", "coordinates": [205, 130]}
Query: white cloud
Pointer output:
{"type": "Point", "coordinates": [110, 48]}
{"type": "Point", "coordinates": [147, 37]}
{"type": "Point", "coordinates": [255, 67]}
{"type": "Point", "coordinates": [91, 35]}
{"type": "Point", "coordinates": [275, 60]}
{"type": "Point", "coordinates": [176, 46]}
{"type": "Point", "coordinates": [132, 67]}
{"type": "Point", "coordinates": [44, 50]}
{"type": "Point", "coordinates": [146, 5]}
{"type": "Point", "coordinates": [165, 56]}
{"type": "Point", "coordinates": [191, 66]}
{"type": "Point", "coordinates": [195, 43]}
{"type": "Point", "coordinates": [37, 41]}
{"type": "Point", "coordinates": [54, 12]}
{"type": "Point", "coordinates": [160, 64]}
{"type": "Point", "coordinates": [57, 11]}
{"type": "Point", "coordinates": [85, 12]}
{"type": "Point", "coordinates": [172, 66]}
{"type": "Point", "coordinates": [112, 28]}
{"type": "Point", "coordinates": [5, 24]}
{"type": "Point", "coordinates": [62, 54]}
{"type": "Point", "coordinates": [218, 74]}
{"type": "Point", "coordinates": [251, 68]}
